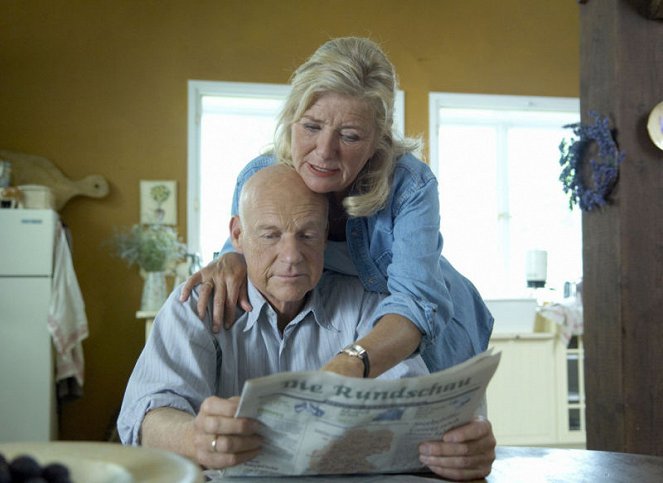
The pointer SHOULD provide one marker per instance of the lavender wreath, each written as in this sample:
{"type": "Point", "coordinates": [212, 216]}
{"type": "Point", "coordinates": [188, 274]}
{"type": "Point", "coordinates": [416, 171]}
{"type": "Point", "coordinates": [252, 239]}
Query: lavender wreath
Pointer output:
{"type": "Point", "coordinates": [604, 168]}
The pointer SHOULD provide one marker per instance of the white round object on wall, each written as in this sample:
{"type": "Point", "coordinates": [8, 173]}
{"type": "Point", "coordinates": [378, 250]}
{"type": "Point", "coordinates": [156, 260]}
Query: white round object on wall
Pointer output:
{"type": "Point", "coordinates": [655, 125]}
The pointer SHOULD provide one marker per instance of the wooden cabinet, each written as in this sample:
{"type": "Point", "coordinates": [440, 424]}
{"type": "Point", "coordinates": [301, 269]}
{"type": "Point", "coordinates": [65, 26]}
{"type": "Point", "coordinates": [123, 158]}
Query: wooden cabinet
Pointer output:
{"type": "Point", "coordinates": [536, 396]}
{"type": "Point", "coordinates": [521, 395]}
{"type": "Point", "coordinates": [571, 383]}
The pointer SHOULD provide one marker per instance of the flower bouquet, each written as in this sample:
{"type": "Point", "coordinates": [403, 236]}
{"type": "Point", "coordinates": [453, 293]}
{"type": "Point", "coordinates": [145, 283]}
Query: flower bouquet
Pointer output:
{"type": "Point", "coordinates": [154, 248]}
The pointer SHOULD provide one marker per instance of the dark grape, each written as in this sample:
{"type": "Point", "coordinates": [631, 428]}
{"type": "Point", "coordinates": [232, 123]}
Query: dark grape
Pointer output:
{"type": "Point", "coordinates": [56, 473]}
{"type": "Point", "coordinates": [5, 475]}
{"type": "Point", "coordinates": [24, 467]}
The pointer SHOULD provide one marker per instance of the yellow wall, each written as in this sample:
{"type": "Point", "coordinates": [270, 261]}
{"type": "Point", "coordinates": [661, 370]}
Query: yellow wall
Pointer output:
{"type": "Point", "coordinates": [100, 87]}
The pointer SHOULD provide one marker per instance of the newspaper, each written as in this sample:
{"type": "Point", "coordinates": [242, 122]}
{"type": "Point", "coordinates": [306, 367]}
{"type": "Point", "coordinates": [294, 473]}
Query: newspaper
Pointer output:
{"type": "Point", "coordinates": [321, 423]}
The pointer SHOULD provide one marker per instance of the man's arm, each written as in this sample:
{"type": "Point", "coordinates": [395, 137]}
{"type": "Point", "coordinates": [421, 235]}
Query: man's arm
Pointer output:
{"type": "Point", "coordinates": [176, 369]}
{"type": "Point", "coordinates": [214, 438]}
{"type": "Point", "coordinates": [169, 429]}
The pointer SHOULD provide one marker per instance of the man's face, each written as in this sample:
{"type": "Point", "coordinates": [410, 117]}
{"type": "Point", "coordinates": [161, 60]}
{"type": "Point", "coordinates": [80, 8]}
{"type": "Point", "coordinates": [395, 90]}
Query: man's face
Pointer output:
{"type": "Point", "coordinates": [282, 236]}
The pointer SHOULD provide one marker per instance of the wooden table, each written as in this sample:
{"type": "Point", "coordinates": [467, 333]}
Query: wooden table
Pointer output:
{"type": "Point", "coordinates": [533, 465]}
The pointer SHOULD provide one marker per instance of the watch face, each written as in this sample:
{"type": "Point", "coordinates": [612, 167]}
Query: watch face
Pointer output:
{"type": "Point", "coordinates": [355, 350]}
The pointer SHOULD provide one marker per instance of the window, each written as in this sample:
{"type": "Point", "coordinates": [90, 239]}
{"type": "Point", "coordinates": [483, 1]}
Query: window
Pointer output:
{"type": "Point", "coordinates": [497, 162]}
{"type": "Point", "coordinates": [229, 124]}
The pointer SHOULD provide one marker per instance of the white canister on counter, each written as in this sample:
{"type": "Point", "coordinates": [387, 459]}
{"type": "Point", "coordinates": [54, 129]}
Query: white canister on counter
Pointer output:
{"type": "Point", "coordinates": [536, 268]}
{"type": "Point", "coordinates": [37, 197]}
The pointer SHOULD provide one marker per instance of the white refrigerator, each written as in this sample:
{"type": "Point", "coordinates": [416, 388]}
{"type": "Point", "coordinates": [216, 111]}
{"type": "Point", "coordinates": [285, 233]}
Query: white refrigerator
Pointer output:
{"type": "Point", "coordinates": [27, 388]}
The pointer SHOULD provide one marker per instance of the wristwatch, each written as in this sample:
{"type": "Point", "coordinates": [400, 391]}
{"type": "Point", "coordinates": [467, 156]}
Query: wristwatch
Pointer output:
{"type": "Point", "coordinates": [355, 350]}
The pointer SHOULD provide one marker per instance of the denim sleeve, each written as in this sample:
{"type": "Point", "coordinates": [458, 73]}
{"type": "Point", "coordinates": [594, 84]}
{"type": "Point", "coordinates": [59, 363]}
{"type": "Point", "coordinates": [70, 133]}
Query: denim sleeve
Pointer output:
{"type": "Point", "coordinates": [249, 170]}
{"type": "Point", "coordinates": [177, 368]}
{"type": "Point", "coordinates": [414, 277]}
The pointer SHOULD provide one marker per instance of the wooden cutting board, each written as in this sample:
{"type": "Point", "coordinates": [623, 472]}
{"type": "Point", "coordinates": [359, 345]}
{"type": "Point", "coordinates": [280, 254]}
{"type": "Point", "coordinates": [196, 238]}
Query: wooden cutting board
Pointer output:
{"type": "Point", "coordinates": [32, 169]}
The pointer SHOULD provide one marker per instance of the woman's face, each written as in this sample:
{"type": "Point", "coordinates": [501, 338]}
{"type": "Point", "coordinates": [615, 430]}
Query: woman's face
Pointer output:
{"type": "Point", "coordinates": [332, 142]}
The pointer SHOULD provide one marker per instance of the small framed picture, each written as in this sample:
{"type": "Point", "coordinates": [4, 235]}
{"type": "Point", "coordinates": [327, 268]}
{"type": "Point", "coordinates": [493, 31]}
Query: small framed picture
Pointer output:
{"type": "Point", "coordinates": [158, 202]}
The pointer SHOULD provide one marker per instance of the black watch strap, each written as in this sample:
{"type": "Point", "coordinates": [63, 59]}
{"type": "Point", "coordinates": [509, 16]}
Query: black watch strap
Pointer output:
{"type": "Point", "coordinates": [355, 350]}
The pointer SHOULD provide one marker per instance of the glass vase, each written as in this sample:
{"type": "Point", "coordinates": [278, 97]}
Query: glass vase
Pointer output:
{"type": "Point", "coordinates": [154, 291]}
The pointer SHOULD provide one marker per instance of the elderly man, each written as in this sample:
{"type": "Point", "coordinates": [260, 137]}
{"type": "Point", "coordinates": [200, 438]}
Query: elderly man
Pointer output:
{"type": "Point", "coordinates": [182, 393]}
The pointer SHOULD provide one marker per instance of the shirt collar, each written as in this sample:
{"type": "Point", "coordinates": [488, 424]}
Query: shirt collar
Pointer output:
{"type": "Point", "coordinates": [314, 305]}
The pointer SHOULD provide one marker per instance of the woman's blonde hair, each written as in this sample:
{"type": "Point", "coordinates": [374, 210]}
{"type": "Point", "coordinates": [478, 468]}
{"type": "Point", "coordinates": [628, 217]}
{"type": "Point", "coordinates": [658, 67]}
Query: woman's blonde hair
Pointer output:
{"type": "Point", "coordinates": [355, 67]}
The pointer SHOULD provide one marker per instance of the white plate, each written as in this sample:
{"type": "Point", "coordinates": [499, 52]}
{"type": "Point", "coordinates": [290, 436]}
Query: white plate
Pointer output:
{"type": "Point", "coordinates": [655, 125]}
{"type": "Point", "coordinates": [109, 462]}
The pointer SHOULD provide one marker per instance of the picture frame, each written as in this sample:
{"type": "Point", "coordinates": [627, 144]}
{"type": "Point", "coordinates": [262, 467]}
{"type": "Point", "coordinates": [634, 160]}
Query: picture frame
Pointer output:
{"type": "Point", "coordinates": [158, 202]}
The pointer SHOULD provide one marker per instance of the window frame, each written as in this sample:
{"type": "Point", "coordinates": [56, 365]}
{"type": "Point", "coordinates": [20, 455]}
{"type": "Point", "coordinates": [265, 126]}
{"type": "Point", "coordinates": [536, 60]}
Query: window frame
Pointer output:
{"type": "Point", "coordinates": [197, 89]}
{"type": "Point", "coordinates": [442, 100]}
{"type": "Point", "coordinates": [438, 100]}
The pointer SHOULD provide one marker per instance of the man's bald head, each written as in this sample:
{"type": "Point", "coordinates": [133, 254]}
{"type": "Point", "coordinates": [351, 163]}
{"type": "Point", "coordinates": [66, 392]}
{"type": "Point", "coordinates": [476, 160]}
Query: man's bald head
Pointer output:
{"type": "Point", "coordinates": [278, 183]}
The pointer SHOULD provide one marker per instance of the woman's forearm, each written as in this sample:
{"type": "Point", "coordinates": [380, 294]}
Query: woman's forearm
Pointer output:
{"type": "Point", "coordinates": [392, 339]}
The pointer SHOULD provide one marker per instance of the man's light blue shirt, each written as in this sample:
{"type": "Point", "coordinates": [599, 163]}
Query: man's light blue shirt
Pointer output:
{"type": "Point", "coordinates": [184, 362]}
{"type": "Point", "coordinates": [397, 252]}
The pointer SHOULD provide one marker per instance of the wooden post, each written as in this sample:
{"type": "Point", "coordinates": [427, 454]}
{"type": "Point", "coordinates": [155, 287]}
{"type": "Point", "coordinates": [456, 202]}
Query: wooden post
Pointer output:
{"type": "Point", "coordinates": [621, 52]}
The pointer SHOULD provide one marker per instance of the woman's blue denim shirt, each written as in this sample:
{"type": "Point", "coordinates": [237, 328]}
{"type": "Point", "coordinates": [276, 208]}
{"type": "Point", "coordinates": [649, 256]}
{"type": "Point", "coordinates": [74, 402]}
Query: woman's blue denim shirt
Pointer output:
{"type": "Point", "coordinates": [397, 251]}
